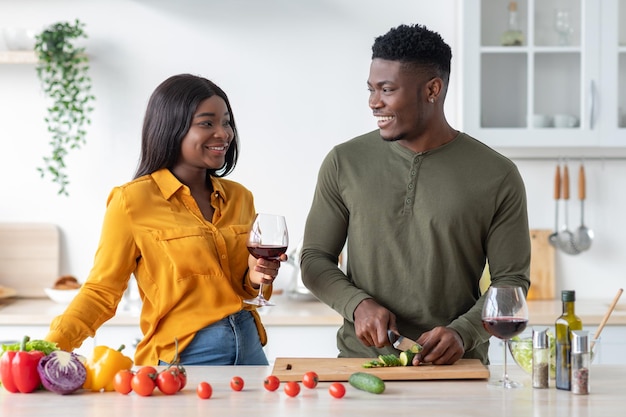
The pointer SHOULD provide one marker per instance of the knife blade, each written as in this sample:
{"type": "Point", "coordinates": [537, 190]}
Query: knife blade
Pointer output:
{"type": "Point", "coordinates": [400, 342]}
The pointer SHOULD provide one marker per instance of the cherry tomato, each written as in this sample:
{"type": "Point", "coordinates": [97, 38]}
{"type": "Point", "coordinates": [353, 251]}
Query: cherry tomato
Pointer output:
{"type": "Point", "coordinates": [182, 377]}
{"type": "Point", "coordinates": [148, 370]}
{"type": "Point", "coordinates": [310, 380]}
{"type": "Point", "coordinates": [121, 381]}
{"type": "Point", "coordinates": [292, 388]}
{"type": "Point", "coordinates": [236, 383]}
{"type": "Point", "coordinates": [204, 390]}
{"type": "Point", "coordinates": [337, 390]}
{"type": "Point", "coordinates": [167, 381]}
{"type": "Point", "coordinates": [142, 384]}
{"type": "Point", "coordinates": [271, 383]}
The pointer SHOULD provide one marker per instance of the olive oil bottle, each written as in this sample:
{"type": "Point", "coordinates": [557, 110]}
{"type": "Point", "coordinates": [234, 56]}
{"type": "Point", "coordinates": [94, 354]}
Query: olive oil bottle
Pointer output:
{"type": "Point", "coordinates": [567, 322]}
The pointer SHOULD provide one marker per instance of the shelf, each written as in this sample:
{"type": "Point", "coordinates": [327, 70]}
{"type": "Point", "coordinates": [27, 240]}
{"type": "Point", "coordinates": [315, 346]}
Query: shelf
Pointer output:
{"type": "Point", "coordinates": [18, 57]}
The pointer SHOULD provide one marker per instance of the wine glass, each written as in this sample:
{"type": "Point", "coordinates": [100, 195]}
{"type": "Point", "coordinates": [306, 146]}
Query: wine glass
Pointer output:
{"type": "Point", "coordinates": [563, 26]}
{"type": "Point", "coordinates": [268, 239]}
{"type": "Point", "coordinates": [505, 314]}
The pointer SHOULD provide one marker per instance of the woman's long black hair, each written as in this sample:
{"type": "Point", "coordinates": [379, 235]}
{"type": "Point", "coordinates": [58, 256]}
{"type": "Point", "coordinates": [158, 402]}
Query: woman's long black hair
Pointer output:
{"type": "Point", "coordinates": [168, 119]}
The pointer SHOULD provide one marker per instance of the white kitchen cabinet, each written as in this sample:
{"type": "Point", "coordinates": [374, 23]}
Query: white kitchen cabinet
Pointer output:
{"type": "Point", "coordinates": [301, 342]}
{"type": "Point", "coordinates": [283, 341]}
{"type": "Point", "coordinates": [505, 86]}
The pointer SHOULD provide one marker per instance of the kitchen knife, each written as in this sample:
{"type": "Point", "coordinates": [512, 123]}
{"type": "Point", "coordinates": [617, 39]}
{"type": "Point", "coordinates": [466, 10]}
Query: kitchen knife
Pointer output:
{"type": "Point", "coordinates": [402, 343]}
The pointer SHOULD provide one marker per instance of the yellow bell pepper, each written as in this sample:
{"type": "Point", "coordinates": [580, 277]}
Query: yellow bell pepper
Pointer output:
{"type": "Point", "coordinates": [102, 367]}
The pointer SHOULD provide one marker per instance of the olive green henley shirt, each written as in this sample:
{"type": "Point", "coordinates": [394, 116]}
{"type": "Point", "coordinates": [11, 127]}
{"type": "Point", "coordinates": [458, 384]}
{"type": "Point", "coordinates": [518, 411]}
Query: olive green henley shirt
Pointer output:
{"type": "Point", "coordinates": [419, 227]}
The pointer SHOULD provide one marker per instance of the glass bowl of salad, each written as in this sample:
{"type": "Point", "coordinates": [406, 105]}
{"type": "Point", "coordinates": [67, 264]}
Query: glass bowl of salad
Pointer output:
{"type": "Point", "coordinates": [521, 349]}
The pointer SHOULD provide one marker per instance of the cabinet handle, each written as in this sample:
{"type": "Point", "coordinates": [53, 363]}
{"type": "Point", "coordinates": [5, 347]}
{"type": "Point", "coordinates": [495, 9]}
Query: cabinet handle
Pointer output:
{"type": "Point", "coordinates": [592, 105]}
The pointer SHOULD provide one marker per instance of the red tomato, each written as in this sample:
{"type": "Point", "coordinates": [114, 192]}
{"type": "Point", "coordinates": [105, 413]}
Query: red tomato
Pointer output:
{"type": "Point", "coordinates": [142, 384]}
{"type": "Point", "coordinates": [271, 383]}
{"type": "Point", "coordinates": [167, 381]}
{"type": "Point", "coordinates": [337, 390]}
{"type": "Point", "coordinates": [292, 388]}
{"type": "Point", "coordinates": [182, 377]}
{"type": "Point", "coordinates": [204, 390]}
{"type": "Point", "coordinates": [236, 383]}
{"type": "Point", "coordinates": [148, 370]}
{"type": "Point", "coordinates": [310, 380]}
{"type": "Point", "coordinates": [121, 381]}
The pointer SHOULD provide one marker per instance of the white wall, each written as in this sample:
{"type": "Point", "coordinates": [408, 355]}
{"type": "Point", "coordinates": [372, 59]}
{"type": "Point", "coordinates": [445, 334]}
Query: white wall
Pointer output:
{"type": "Point", "coordinates": [295, 72]}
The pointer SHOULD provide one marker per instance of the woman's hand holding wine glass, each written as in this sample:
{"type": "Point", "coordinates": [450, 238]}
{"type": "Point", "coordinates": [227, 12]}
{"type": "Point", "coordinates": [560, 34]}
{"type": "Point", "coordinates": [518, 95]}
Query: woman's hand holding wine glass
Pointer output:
{"type": "Point", "coordinates": [268, 239]}
{"type": "Point", "coordinates": [504, 315]}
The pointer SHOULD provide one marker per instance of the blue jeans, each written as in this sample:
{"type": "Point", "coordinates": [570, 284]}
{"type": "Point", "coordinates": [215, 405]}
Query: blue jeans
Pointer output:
{"type": "Point", "coordinates": [234, 340]}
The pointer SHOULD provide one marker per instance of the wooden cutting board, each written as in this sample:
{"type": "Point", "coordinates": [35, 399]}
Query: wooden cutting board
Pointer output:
{"type": "Point", "coordinates": [542, 277]}
{"type": "Point", "coordinates": [29, 257]}
{"type": "Point", "coordinates": [340, 369]}
{"type": "Point", "coordinates": [542, 282]}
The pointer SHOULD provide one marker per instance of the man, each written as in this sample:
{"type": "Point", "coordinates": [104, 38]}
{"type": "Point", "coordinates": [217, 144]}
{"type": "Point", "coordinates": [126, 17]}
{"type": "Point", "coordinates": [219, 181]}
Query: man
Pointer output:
{"type": "Point", "coordinates": [422, 207]}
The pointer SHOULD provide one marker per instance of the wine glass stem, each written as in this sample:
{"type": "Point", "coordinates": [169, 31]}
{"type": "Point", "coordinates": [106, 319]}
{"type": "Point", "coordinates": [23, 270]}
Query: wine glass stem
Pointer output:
{"type": "Point", "coordinates": [261, 291]}
{"type": "Point", "coordinates": [505, 376]}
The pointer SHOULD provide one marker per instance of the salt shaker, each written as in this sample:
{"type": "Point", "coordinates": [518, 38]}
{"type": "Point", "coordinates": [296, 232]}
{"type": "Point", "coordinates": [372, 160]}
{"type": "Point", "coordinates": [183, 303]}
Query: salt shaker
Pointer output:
{"type": "Point", "coordinates": [580, 361]}
{"type": "Point", "coordinates": [541, 359]}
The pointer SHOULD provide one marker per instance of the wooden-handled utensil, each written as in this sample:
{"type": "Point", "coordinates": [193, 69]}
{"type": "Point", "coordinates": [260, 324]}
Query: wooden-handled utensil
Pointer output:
{"type": "Point", "coordinates": [583, 235]}
{"type": "Point", "coordinates": [565, 236]}
{"type": "Point", "coordinates": [554, 237]}
{"type": "Point", "coordinates": [606, 317]}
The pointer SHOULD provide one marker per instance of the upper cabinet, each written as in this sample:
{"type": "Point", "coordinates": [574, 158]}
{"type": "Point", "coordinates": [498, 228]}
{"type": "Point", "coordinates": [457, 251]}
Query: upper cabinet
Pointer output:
{"type": "Point", "coordinates": [543, 75]}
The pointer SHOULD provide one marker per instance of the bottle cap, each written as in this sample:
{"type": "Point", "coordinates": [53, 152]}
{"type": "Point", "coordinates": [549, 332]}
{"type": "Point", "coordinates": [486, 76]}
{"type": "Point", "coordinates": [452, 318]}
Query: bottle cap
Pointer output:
{"type": "Point", "coordinates": [540, 339]}
{"type": "Point", "coordinates": [580, 340]}
{"type": "Point", "coordinates": [568, 295]}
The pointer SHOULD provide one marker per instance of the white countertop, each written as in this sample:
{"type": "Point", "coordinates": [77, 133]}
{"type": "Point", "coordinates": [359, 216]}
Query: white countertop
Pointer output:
{"type": "Point", "coordinates": [401, 398]}
{"type": "Point", "coordinates": [288, 312]}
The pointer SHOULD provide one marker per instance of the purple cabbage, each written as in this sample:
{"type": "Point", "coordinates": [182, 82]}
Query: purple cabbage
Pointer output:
{"type": "Point", "coordinates": [62, 372]}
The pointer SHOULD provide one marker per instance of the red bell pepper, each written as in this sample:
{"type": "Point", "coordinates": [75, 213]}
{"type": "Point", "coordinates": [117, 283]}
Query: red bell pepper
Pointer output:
{"type": "Point", "coordinates": [18, 369]}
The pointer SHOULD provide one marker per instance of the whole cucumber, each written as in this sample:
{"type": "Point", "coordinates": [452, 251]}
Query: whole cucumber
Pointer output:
{"type": "Point", "coordinates": [367, 382]}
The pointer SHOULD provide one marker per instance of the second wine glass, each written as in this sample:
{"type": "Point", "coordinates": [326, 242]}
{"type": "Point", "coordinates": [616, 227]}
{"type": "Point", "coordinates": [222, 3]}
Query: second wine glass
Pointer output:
{"type": "Point", "coordinates": [504, 315]}
{"type": "Point", "coordinates": [268, 239]}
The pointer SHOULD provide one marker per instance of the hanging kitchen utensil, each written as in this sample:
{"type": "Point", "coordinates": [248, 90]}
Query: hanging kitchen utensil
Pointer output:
{"type": "Point", "coordinates": [583, 236]}
{"type": "Point", "coordinates": [566, 237]}
{"type": "Point", "coordinates": [554, 237]}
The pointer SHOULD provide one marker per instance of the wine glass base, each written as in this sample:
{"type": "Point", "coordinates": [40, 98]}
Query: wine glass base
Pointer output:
{"type": "Point", "coordinates": [261, 302]}
{"type": "Point", "coordinates": [505, 384]}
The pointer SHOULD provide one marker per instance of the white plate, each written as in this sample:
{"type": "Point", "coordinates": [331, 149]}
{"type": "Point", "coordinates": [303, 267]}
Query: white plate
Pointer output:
{"type": "Point", "coordinates": [61, 296]}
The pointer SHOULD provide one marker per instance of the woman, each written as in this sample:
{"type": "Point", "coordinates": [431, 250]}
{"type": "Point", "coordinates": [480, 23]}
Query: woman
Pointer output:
{"type": "Point", "coordinates": [181, 230]}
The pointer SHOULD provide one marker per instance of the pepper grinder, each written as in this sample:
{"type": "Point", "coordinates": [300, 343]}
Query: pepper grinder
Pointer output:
{"type": "Point", "coordinates": [541, 359]}
{"type": "Point", "coordinates": [580, 361]}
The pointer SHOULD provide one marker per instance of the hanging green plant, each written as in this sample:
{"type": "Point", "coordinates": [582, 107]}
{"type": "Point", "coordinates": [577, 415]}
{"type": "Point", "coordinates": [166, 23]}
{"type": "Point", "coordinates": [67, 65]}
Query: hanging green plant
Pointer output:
{"type": "Point", "coordinates": [63, 70]}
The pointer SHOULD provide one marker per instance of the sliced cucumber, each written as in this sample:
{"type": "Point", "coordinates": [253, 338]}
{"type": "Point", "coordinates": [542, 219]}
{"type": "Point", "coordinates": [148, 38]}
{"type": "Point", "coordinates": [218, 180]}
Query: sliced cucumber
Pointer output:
{"type": "Point", "coordinates": [367, 382]}
{"type": "Point", "coordinates": [389, 360]}
{"type": "Point", "coordinates": [406, 358]}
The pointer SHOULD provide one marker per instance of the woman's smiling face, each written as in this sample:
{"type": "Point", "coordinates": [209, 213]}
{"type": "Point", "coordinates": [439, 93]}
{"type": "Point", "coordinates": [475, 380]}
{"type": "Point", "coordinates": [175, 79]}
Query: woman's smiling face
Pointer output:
{"type": "Point", "coordinates": [398, 99]}
{"type": "Point", "coordinates": [206, 143]}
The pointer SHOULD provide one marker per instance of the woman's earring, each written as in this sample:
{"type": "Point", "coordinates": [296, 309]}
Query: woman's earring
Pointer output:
{"type": "Point", "coordinates": [432, 100]}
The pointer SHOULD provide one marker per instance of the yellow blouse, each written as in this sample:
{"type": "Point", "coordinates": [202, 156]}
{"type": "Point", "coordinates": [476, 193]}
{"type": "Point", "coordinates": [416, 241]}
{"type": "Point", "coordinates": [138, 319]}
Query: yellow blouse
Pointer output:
{"type": "Point", "coordinates": [190, 272]}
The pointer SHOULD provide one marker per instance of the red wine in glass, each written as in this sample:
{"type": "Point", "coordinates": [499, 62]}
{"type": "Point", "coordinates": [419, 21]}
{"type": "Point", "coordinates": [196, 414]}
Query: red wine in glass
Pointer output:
{"type": "Point", "coordinates": [267, 251]}
{"type": "Point", "coordinates": [268, 239]}
{"type": "Point", "coordinates": [504, 327]}
{"type": "Point", "coordinates": [504, 315]}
